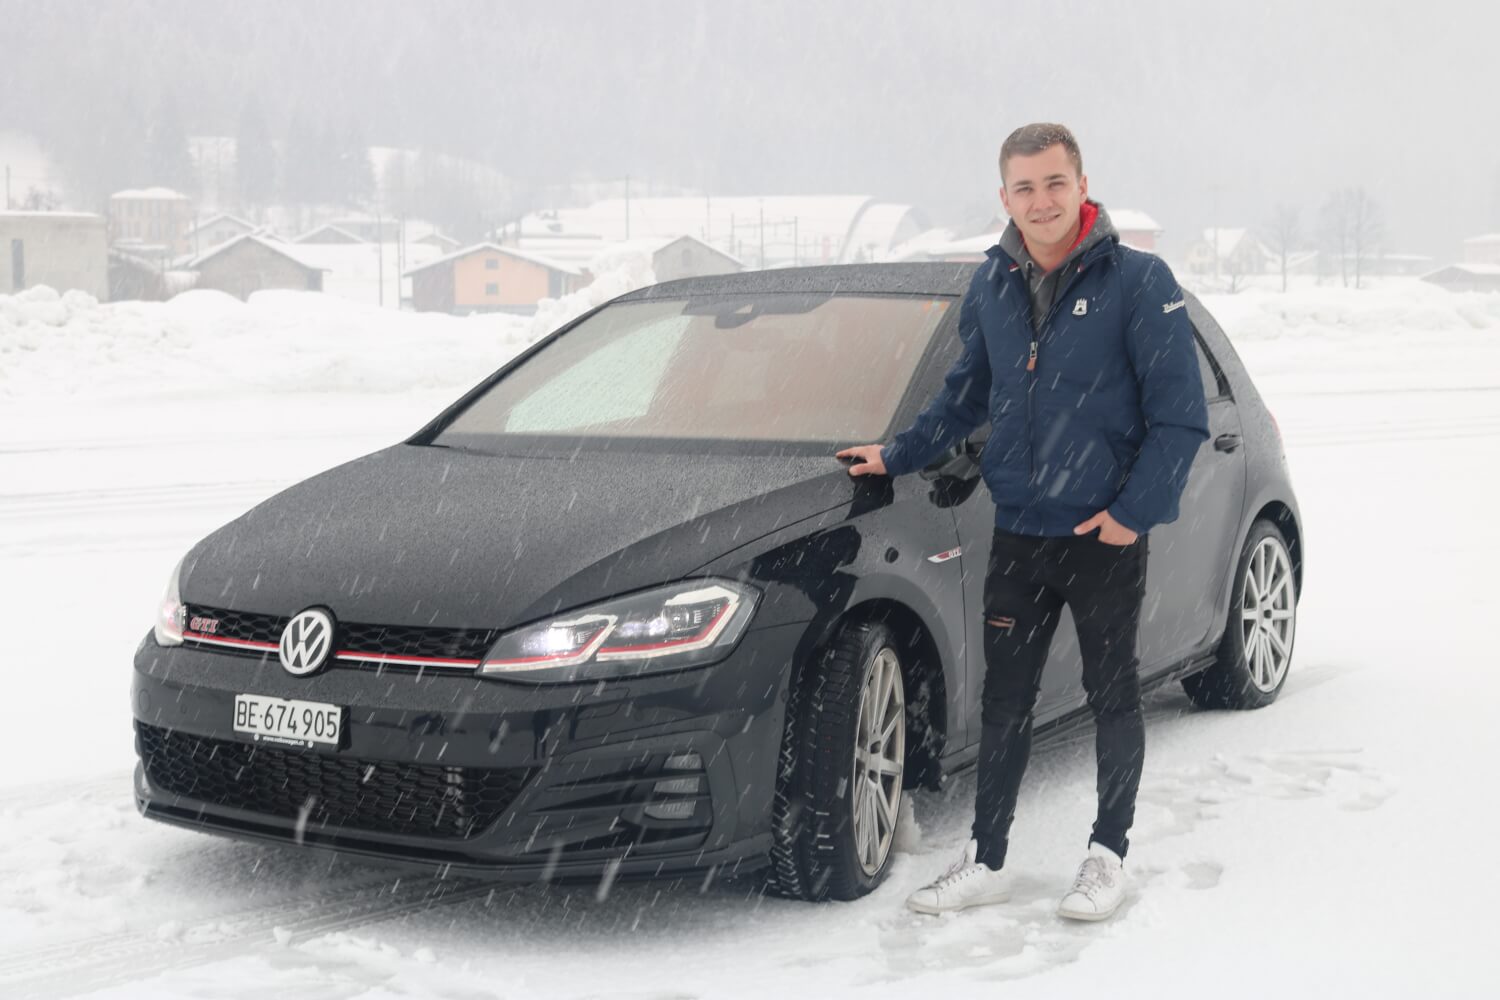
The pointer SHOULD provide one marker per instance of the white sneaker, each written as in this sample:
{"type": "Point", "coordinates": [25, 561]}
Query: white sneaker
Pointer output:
{"type": "Point", "coordinates": [1099, 888]}
{"type": "Point", "coordinates": [967, 883]}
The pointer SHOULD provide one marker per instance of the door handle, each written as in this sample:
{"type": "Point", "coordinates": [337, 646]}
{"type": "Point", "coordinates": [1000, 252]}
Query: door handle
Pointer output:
{"type": "Point", "coordinates": [1226, 442]}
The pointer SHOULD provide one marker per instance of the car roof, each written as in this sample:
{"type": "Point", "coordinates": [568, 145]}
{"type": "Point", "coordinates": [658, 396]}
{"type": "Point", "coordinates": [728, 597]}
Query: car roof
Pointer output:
{"type": "Point", "coordinates": [936, 278]}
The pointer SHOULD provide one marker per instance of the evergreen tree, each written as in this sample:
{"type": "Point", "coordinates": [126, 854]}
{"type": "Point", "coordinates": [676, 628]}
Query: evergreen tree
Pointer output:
{"type": "Point", "coordinates": [168, 160]}
{"type": "Point", "coordinates": [254, 159]}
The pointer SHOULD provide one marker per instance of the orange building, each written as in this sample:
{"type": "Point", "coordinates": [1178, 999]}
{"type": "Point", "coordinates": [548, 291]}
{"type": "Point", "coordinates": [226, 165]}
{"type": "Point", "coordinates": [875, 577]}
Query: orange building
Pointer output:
{"type": "Point", "coordinates": [490, 278]}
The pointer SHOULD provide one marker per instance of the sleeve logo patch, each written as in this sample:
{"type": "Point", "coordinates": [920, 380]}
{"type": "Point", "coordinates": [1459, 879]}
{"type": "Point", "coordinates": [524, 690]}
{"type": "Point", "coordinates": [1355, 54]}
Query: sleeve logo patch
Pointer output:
{"type": "Point", "coordinates": [1081, 307]}
{"type": "Point", "coordinates": [1173, 306]}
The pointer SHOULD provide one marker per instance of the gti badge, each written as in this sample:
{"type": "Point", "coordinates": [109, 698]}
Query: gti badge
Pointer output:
{"type": "Point", "coordinates": [306, 641]}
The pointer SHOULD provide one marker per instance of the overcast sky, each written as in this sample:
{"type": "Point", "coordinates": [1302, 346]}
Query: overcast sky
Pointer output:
{"type": "Point", "coordinates": [1190, 111]}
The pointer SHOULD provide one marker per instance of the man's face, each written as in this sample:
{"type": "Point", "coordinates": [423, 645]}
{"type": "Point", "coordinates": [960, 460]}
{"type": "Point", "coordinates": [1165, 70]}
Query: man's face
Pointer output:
{"type": "Point", "coordinates": [1043, 194]}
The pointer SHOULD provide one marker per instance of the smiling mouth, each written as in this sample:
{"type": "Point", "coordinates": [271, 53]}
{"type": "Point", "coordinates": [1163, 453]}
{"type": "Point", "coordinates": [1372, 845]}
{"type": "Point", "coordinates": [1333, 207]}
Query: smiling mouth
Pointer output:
{"type": "Point", "coordinates": [1050, 218]}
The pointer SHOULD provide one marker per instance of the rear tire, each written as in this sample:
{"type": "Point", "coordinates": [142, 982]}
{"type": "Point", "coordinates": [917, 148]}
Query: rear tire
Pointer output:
{"type": "Point", "coordinates": [1255, 654]}
{"type": "Point", "coordinates": [839, 777]}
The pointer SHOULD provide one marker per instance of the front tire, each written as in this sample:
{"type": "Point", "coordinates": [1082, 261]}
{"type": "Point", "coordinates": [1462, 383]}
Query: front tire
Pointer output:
{"type": "Point", "coordinates": [1255, 654]}
{"type": "Point", "coordinates": [839, 778]}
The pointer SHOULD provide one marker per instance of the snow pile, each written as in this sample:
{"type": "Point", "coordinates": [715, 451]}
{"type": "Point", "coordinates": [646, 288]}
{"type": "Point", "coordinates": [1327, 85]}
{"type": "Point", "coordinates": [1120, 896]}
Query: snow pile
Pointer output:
{"type": "Point", "coordinates": [620, 270]}
{"type": "Point", "coordinates": [208, 343]}
{"type": "Point", "coordinates": [1412, 307]}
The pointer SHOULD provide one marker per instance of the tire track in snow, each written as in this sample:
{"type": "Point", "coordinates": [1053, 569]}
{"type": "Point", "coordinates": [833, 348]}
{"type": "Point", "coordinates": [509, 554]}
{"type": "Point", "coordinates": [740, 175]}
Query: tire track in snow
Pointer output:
{"type": "Point", "coordinates": [110, 960]}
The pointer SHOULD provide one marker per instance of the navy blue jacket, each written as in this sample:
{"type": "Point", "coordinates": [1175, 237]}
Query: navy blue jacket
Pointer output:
{"type": "Point", "coordinates": [1112, 414]}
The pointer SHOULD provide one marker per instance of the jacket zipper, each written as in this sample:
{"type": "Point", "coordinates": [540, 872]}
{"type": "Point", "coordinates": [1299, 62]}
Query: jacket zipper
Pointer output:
{"type": "Point", "coordinates": [1036, 335]}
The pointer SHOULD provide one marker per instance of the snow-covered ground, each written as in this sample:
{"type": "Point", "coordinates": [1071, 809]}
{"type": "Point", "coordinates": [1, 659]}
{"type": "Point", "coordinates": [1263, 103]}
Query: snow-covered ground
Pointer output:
{"type": "Point", "coordinates": [1335, 843]}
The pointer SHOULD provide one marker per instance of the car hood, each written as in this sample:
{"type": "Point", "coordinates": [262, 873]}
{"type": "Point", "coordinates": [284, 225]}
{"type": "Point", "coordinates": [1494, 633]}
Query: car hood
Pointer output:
{"type": "Point", "coordinates": [436, 537]}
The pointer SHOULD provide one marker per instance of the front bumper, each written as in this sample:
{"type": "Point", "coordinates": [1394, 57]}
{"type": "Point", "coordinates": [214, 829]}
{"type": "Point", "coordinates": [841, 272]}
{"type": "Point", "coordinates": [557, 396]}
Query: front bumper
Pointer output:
{"type": "Point", "coordinates": [651, 776]}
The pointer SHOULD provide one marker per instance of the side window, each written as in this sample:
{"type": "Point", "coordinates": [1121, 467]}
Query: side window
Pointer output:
{"type": "Point", "coordinates": [1214, 385]}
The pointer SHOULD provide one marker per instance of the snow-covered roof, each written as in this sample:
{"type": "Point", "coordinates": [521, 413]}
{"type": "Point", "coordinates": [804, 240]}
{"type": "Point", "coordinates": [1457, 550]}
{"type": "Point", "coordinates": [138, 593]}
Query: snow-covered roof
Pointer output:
{"type": "Point", "coordinates": [816, 221]}
{"type": "Point", "coordinates": [533, 258]}
{"type": "Point", "coordinates": [214, 220]}
{"type": "Point", "coordinates": [1486, 270]}
{"type": "Point", "coordinates": [328, 227]}
{"type": "Point", "coordinates": [1225, 240]}
{"type": "Point", "coordinates": [1485, 238]}
{"type": "Point", "coordinates": [150, 194]}
{"type": "Point", "coordinates": [27, 214]}
{"type": "Point", "coordinates": [970, 247]}
{"type": "Point", "coordinates": [290, 253]}
{"type": "Point", "coordinates": [1132, 220]}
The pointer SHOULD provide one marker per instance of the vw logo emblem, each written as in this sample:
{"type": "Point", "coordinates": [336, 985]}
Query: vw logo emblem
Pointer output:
{"type": "Point", "coordinates": [306, 641]}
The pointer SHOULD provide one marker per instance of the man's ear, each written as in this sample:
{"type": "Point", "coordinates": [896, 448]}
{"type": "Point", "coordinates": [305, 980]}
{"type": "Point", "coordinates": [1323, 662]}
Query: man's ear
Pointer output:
{"type": "Point", "coordinates": [1083, 185]}
{"type": "Point", "coordinates": [1005, 199]}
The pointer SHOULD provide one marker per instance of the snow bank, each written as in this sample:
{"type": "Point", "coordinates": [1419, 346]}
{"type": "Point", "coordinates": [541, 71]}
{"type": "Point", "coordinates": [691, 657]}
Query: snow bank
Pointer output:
{"type": "Point", "coordinates": [620, 270]}
{"type": "Point", "coordinates": [1411, 307]}
{"type": "Point", "coordinates": [207, 343]}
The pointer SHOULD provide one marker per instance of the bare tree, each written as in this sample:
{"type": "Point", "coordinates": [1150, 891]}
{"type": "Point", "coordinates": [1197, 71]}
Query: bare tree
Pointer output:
{"type": "Point", "coordinates": [1284, 236]}
{"type": "Point", "coordinates": [1335, 222]}
{"type": "Point", "coordinates": [1352, 226]}
{"type": "Point", "coordinates": [1365, 229]}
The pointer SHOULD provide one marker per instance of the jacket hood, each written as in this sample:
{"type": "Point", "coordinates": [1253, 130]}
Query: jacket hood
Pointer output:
{"type": "Point", "coordinates": [437, 537]}
{"type": "Point", "coordinates": [1097, 227]}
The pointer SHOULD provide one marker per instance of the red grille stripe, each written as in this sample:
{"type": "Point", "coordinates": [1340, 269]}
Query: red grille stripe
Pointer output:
{"type": "Point", "coordinates": [220, 640]}
{"type": "Point", "coordinates": [349, 654]}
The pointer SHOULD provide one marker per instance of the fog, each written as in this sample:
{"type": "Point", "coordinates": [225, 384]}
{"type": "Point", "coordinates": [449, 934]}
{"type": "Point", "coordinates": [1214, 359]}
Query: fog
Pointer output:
{"type": "Point", "coordinates": [1200, 114]}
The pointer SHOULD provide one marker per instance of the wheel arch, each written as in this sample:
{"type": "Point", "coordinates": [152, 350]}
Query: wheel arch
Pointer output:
{"type": "Point", "coordinates": [922, 671]}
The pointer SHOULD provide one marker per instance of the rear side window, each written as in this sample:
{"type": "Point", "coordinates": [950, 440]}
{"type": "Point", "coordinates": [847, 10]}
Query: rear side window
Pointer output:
{"type": "Point", "coordinates": [1215, 386]}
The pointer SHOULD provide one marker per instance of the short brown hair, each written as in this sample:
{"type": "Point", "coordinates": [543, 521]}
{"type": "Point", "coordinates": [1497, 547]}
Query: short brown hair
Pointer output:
{"type": "Point", "coordinates": [1029, 140]}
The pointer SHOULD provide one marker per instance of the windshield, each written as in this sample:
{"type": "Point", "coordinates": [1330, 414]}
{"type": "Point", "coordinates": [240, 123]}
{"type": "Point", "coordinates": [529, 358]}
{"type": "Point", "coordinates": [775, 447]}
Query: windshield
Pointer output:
{"type": "Point", "coordinates": [780, 367]}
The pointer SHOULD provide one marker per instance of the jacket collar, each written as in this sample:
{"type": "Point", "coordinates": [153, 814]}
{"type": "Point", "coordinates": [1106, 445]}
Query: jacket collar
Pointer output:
{"type": "Point", "coordinates": [1096, 231]}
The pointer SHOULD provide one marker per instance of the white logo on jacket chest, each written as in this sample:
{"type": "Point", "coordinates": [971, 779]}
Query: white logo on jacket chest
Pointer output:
{"type": "Point", "coordinates": [1081, 307]}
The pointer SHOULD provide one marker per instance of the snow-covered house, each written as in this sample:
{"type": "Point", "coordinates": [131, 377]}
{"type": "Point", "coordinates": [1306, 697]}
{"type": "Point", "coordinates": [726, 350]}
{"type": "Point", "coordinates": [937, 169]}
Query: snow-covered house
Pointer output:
{"type": "Point", "coordinates": [1482, 249]}
{"type": "Point", "coordinates": [1228, 251]}
{"type": "Point", "coordinates": [62, 249]}
{"type": "Point", "coordinates": [1466, 277]}
{"type": "Point", "coordinates": [154, 216]}
{"type": "Point", "coordinates": [1135, 227]}
{"type": "Point", "coordinates": [216, 229]}
{"type": "Point", "coordinates": [488, 277]}
{"type": "Point", "coordinates": [251, 264]}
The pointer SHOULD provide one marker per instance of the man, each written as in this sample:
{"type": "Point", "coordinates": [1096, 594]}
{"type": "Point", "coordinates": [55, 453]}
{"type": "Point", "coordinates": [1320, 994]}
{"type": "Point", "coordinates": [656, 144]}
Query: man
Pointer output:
{"type": "Point", "coordinates": [1079, 352]}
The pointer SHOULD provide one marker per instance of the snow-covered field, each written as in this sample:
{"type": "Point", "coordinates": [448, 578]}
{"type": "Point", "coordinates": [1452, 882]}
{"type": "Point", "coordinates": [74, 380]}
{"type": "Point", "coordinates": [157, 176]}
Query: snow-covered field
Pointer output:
{"type": "Point", "coordinates": [1336, 843]}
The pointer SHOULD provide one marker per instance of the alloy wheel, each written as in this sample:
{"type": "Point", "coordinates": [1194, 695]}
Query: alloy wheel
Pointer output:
{"type": "Point", "coordinates": [879, 756]}
{"type": "Point", "coordinates": [1268, 614]}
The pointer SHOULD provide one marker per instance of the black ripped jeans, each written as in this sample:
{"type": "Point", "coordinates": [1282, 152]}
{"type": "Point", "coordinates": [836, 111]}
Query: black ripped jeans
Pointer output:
{"type": "Point", "coordinates": [1028, 581]}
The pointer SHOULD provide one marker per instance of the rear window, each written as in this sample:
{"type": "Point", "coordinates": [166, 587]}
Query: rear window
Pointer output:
{"type": "Point", "coordinates": [781, 367]}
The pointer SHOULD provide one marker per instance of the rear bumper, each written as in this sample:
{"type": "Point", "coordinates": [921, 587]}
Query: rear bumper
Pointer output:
{"type": "Point", "coordinates": [653, 776]}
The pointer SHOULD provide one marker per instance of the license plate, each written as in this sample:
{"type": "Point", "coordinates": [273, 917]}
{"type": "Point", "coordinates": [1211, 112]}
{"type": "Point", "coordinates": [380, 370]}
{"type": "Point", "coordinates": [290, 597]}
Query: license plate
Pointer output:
{"type": "Point", "coordinates": [287, 722]}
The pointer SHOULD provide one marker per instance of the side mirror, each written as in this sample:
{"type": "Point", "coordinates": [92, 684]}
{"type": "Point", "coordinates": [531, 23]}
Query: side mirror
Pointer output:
{"type": "Point", "coordinates": [960, 461]}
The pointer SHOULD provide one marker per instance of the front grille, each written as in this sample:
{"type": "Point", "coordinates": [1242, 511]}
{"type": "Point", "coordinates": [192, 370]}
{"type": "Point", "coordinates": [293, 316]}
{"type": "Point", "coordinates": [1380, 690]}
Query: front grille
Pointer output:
{"type": "Point", "coordinates": [406, 640]}
{"type": "Point", "coordinates": [243, 625]}
{"type": "Point", "coordinates": [369, 795]}
{"type": "Point", "coordinates": [413, 641]}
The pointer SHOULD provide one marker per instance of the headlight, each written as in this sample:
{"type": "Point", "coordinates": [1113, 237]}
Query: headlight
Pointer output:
{"type": "Point", "coordinates": [170, 614]}
{"type": "Point", "coordinates": [667, 628]}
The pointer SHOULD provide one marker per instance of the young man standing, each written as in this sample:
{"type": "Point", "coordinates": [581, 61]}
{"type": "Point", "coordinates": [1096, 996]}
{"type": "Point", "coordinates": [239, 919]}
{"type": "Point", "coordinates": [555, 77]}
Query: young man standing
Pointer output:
{"type": "Point", "coordinates": [1079, 352]}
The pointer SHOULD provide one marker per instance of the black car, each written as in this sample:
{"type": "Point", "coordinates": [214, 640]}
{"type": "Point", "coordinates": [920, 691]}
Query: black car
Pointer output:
{"type": "Point", "coordinates": [619, 611]}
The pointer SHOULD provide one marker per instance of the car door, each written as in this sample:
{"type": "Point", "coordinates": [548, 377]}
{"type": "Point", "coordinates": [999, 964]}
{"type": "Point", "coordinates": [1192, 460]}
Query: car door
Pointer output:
{"type": "Point", "coordinates": [1188, 558]}
{"type": "Point", "coordinates": [1185, 567]}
